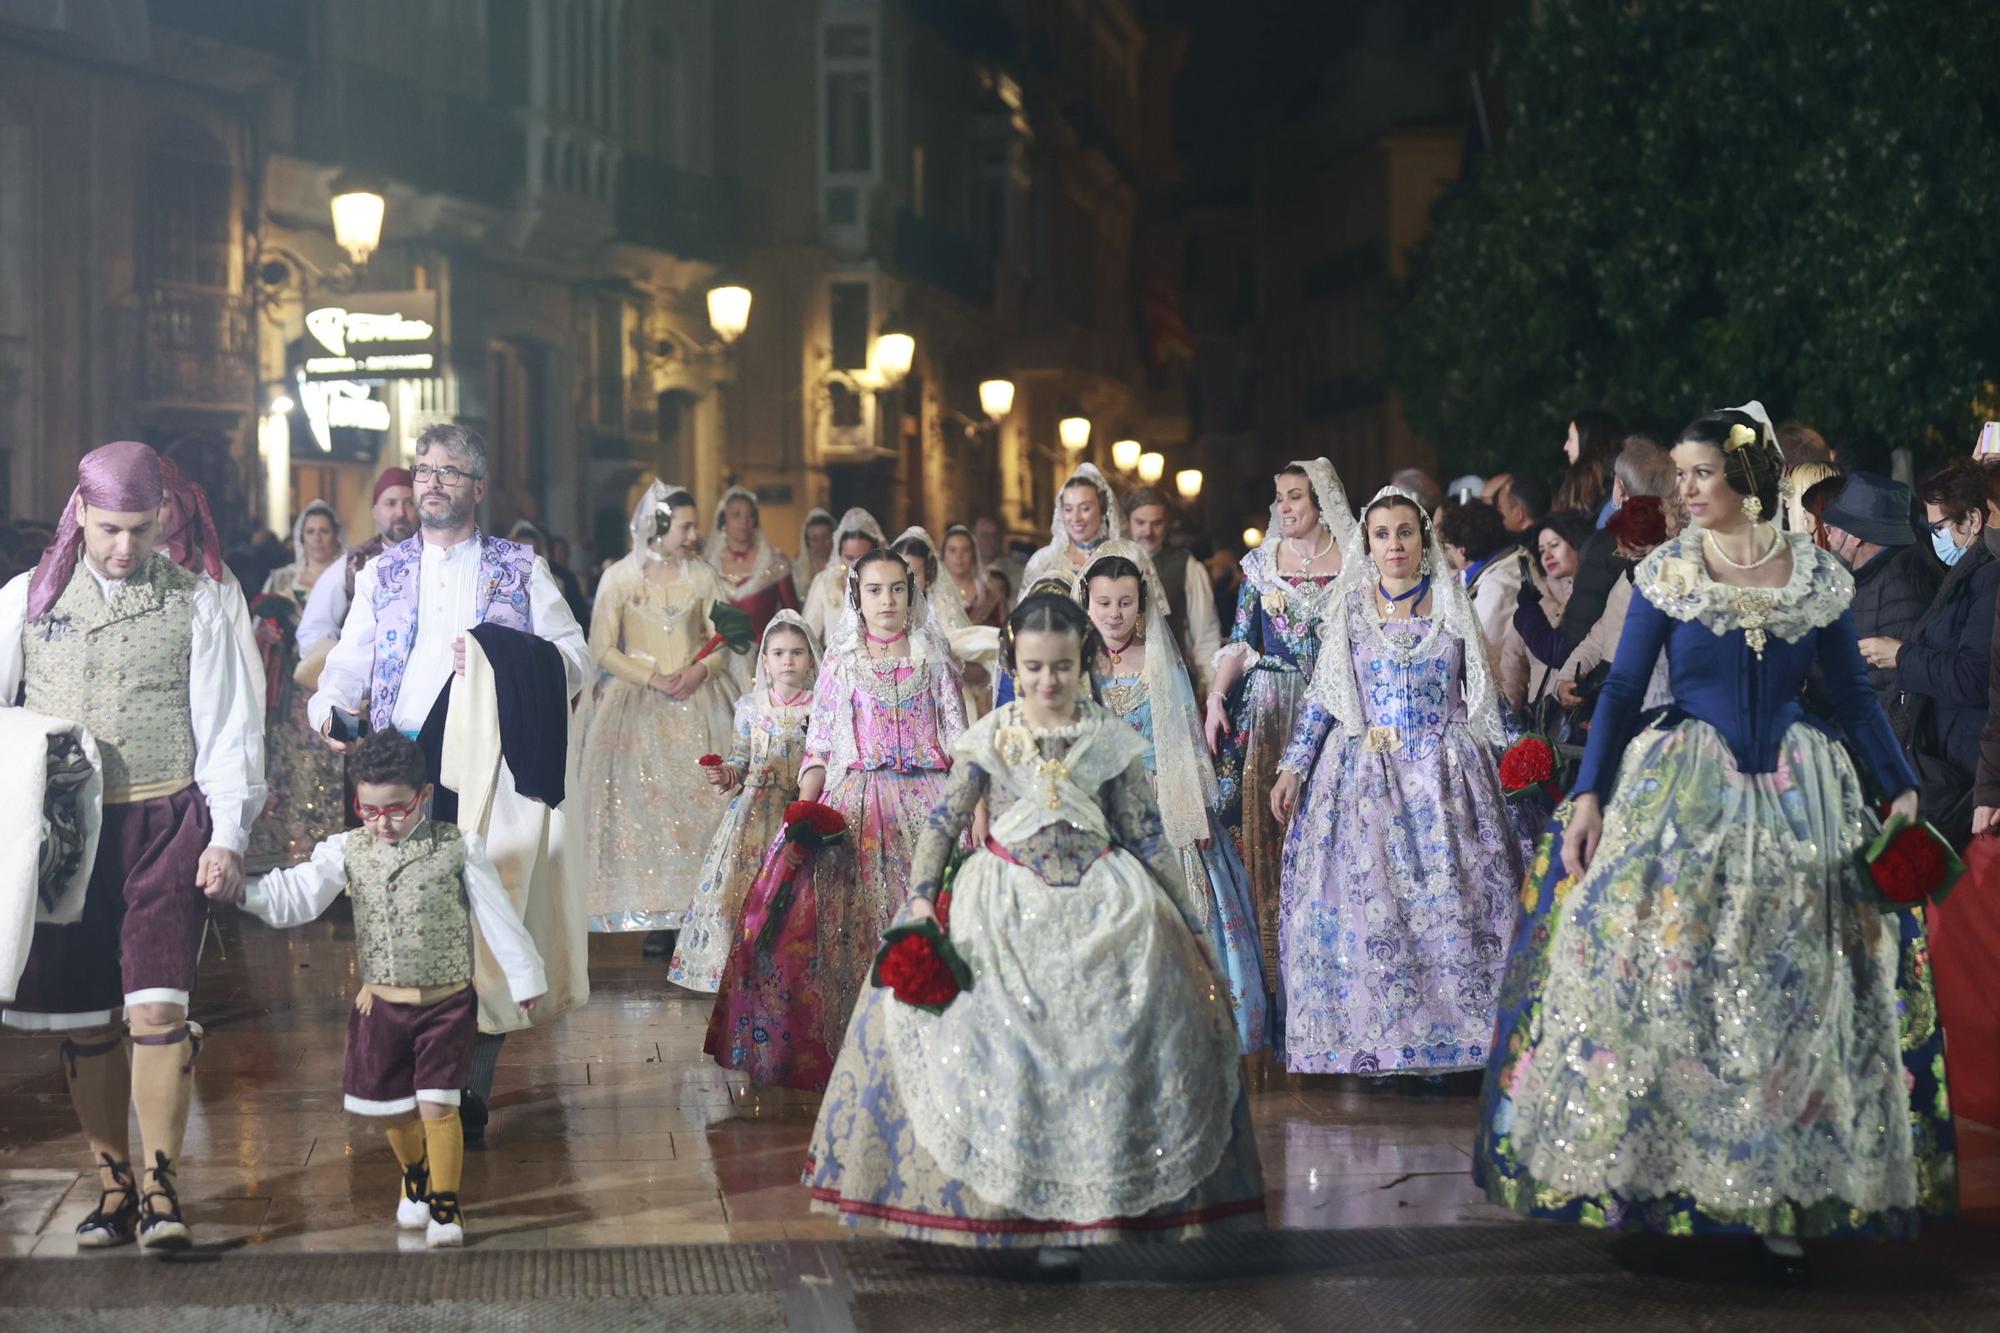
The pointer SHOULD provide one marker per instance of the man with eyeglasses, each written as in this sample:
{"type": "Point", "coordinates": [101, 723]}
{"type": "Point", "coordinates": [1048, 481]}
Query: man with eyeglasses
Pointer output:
{"type": "Point", "coordinates": [403, 641]}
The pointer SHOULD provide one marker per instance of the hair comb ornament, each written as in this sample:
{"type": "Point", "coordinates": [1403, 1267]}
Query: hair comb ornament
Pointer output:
{"type": "Point", "coordinates": [1740, 437]}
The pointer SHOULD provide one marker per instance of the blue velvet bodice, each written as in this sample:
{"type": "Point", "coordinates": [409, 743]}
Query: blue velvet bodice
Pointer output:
{"type": "Point", "coordinates": [1751, 702]}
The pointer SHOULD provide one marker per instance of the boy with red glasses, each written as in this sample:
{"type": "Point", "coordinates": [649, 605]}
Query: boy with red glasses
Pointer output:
{"type": "Point", "coordinates": [418, 887]}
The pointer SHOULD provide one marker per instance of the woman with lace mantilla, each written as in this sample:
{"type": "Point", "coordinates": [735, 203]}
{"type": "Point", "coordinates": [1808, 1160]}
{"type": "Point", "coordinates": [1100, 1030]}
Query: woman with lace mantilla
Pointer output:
{"type": "Point", "coordinates": [1706, 1024]}
{"type": "Point", "coordinates": [757, 577]}
{"type": "Point", "coordinates": [1140, 678]}
{"type": "Point", "coordinates": [1401, 864]}
{"type": "Point", "coordinates": [1085, 1088]}
{"type": "Point", "coordinates": [645, 811]}
{"type": "Point", "coordinates": [1261, 674]}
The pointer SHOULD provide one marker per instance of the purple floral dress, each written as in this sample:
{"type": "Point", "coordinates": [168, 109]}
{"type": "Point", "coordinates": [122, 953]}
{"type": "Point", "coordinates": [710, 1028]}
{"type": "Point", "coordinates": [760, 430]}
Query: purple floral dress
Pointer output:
{"type": "Point", "coordinates": [1402, 869]}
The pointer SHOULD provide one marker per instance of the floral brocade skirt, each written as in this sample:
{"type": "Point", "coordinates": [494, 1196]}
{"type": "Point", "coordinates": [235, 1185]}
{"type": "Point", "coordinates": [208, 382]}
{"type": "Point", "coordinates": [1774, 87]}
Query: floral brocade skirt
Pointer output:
{"type": "Point", "coordinates": [1085, 1089]}
{"type": "Point", "coordinates": [1402, 871]}
{"type": "Point", "coordinates": [736, 856]}
{"type": "Point", "coordinates": [647, 814]}
{"type": "Point", "coordinates": [1248, 768]}
{"type": "Point", "coordinates": [1715, 1029]}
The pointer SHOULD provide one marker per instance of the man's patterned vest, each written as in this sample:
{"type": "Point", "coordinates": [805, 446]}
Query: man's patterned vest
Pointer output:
{"type": "Point", "coordinates": [412, 921]}
{"type": "Point", "coordinates": [121, 668]}
{"type": "Point", "coordinates": [501, 598]}
{"type": "Point", "coordinates": [1172, 566]}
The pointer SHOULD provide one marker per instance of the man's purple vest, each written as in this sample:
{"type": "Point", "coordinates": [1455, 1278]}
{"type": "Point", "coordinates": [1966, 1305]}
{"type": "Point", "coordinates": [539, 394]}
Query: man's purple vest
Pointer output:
{"type": "Point", "coordinates": [502, 599]}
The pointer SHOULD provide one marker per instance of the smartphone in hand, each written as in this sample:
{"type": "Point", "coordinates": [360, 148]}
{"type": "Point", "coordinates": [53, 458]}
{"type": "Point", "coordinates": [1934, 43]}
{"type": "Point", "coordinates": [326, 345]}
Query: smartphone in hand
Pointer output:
{"type": "Point", "coordinates": [1988, 445]}
{"type": "Point", "coordinates": [344, 727]}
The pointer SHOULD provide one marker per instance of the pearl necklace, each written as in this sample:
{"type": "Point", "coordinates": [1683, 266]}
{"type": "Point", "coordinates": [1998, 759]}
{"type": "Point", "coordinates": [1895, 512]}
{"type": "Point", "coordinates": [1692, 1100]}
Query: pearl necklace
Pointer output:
{"type": "Point", "coordinates": [1309, 559]}
{"type": "Point", "coordinates": [1715, 547]}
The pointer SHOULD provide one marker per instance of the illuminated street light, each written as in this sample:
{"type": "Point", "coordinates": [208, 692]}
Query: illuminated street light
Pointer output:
{"type": "Point", "coordinates": [996, 398]}
{"type": "Point", "coordinates": [1252, 538]}
{"type": "Point", "coordinates": [729, 311]}
{"type": "Point", "coordinates": [1074, 432]}
{"type": "Point", "coordinates": [1152, 467]}
{"type": "Point", "coordinates": [1125, 453]}
{"type": "Point", "coordinates": [1188, 482]}
{"type": "Point", "coordinates": [358, 207]}
{"type": "Point", "coordinates": [891, 357]}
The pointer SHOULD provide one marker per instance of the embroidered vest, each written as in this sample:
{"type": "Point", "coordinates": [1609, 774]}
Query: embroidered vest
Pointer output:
{"type": "Point", "coordinates": [121, 668]}
{"type": "Point", "coordinates": [500, 598]}
{"type": "Point", "coordinates": [412, 920]}
{"type": "Point", "coordinates": [1172, 564]}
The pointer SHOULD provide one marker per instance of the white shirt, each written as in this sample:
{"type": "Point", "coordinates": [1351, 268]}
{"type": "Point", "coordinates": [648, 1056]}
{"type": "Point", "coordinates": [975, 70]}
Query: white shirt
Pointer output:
{"type": "Point", "coordinates": [294, 897]}
{"type": "Point", "coordinates": [1204, 628]}
{"type": "Point", "coordinates": [223, 713]}
{"type": "Point", "coordinates": [326, 607]}
{"type": "Point", "coordinates": [447, 605]}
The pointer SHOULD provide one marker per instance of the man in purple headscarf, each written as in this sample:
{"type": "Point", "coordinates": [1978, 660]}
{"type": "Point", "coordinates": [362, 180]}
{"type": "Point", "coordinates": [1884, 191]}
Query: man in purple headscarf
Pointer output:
{"type": "Point", "coordinates": [108, 631]}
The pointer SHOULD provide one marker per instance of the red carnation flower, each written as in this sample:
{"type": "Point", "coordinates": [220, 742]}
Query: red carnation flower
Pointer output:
{"type": "Point", "coordinates": [916, 973]}
{"type": "Point", "coordinates": [1911, 864]}
{"type": "Point", "coordinates": [710, 761]}
{"type": "Point", "coordinates": [822, 819]}
{"type": "Point", "coordinates": [1529, 765]}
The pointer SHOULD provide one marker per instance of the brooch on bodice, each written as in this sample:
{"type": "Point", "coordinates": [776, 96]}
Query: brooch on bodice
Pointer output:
{"type": "Point", "coordinates": [1382, 740]}
{"type": "Point", "coordinates": [1053, 773]}
{"type": "Point", "coordinates": [1753, 609]}
{"type": "Point", "coordinates": [1015, 745]}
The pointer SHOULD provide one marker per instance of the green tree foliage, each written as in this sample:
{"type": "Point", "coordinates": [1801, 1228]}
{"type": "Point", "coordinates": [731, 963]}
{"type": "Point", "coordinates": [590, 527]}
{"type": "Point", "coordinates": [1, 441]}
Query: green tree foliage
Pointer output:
{"type": "Point", "coordinates": [1702, 201]}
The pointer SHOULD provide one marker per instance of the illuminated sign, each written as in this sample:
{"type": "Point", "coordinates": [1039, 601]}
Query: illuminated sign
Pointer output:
{"type": "Point", "coordinates": [340, 404]}
{"type": "Point", "coordinates": [373, 336]}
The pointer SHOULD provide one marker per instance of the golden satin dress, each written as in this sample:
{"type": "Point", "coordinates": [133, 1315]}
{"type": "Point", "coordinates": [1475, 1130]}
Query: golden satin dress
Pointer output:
{"type": "Point", "coordinates": [647, 813]}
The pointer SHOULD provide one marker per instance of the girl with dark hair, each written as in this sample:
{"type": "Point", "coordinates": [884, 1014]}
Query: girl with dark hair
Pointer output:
{"type": "Point", "coordinates": [1140, 677]}
{"type": "Point", "coordinates": [1401, 862]}
{"type": "Point", "coordinates": [643, 813]}
{"type": "Point", "coordinates": [1595, 437]}
{"type": "Point", "coordinates": [1086, 1087]}
{"type": "Point", "coordinates": [885, 714]}
{"type": "Point", "coordinates": [1708, 1024]}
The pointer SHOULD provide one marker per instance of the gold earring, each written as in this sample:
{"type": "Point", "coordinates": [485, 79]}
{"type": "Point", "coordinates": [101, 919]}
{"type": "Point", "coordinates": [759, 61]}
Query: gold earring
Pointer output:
{"type": "Point", "coordinates": [1753, 507]}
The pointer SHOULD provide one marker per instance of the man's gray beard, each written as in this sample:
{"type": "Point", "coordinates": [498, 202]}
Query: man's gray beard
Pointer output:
{"type": "Point", "coordinates": [452, 518]}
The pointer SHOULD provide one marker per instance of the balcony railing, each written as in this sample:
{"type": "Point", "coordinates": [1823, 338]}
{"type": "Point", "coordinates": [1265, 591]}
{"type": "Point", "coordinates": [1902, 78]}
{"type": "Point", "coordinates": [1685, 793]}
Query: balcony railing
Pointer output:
{"type": "Point", "coordinates": [195, 348]}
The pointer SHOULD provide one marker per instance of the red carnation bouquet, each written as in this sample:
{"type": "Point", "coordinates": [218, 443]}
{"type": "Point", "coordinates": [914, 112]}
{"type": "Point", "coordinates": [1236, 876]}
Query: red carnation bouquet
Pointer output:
{"type": "Point", "coordinates": [811, 826]}
{"type": "Point", "coordinates": [919, 966]}
{"type": "Point", "coordinates": [1910, 864]}
{"type": "Point", "coordinates": [1529, 766]}
{"type": "Point", "coordinates": [710, 761]}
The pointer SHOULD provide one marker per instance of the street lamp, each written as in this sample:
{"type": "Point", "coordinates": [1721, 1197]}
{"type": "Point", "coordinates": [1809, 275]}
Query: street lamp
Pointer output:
{"type": "Point", "coordinates": [1074, 432]}
{"type": "Point", "coordinates": [729, 311]}
{"type": "Point", "coordinates": [358, 207]}
{"type": "Point", "coordinates": [1152, 467]}
{"type": "Point", "coordinates": [1125, 453]}
{"type": "Point", "coordinates": [996, 398]}
{"type": "Point", "coordinates": [890, 357]}
{"type": "Point", "coordinates": [1252, 538]}
{"type": "Point", "coordinates": [1188, 482]}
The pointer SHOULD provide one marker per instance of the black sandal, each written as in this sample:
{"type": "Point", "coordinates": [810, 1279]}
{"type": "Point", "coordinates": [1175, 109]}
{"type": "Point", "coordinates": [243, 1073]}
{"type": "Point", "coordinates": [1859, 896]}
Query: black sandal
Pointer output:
{"type": "Point", "coordinates": [447, 1224]}
{"type": "Point", "coordinates": [102, 1230]}
{"type": "Point", "coordinates": [162, 1228]}
{"type": "Point", "coordinates": [413, 1209]}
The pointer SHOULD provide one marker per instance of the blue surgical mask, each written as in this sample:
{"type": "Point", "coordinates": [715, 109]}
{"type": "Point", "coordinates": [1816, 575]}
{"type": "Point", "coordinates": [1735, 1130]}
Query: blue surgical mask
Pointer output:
{"type": "Point", "coordinates": [1947, 550]}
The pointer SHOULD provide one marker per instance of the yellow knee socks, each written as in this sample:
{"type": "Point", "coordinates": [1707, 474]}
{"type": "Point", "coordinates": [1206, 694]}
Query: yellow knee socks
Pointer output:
{"type": "Point", "coordinates": [100, 1088]}
{"type": "Point", "coordinates": [445, 1138]}
{"type": "Point", "coordinates": [163, 1086]}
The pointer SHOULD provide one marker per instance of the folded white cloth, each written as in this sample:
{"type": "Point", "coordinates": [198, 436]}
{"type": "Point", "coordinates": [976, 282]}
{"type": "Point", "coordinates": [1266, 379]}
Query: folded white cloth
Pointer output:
{"type": "Point", "coordinates": [25, 737]}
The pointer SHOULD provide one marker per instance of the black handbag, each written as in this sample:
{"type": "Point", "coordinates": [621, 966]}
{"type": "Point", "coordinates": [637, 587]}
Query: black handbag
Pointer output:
{"type": "Point", "coordinates": [1944, 788]}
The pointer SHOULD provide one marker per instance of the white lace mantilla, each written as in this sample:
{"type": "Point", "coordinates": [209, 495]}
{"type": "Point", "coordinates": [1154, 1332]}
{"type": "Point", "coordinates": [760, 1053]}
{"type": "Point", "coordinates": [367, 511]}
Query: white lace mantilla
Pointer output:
{"type": "Point", "coordinates": [1092, 1070]}
{"type": "Point", "coordinates": [1675, 578]}
{"type": "Point", "coordinates": [1334, 686]}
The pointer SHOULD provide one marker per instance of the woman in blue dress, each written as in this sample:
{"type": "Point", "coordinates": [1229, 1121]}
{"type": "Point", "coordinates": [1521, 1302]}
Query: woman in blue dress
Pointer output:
{"type": "Point", "coordinates": [1141, 679]}
{"type": "Point", "coordinates": [1707, 1025]}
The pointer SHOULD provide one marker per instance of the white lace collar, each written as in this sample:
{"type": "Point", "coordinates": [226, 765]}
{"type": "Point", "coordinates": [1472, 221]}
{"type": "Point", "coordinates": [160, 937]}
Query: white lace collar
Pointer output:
{"type": "Point", "coordinates": [1675, 578]}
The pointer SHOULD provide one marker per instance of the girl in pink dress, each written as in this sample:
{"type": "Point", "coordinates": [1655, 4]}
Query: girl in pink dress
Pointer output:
{"type": "Point", "coordinates": [886, 711]}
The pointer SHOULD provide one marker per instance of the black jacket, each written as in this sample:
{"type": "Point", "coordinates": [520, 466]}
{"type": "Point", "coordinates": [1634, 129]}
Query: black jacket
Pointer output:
{"type": "Point", "coordinates": [1598, 569]}
{"type": "Point", "coordinates": [1945, 663]}
{"type": "Point", "coordinates": [1891, 593]}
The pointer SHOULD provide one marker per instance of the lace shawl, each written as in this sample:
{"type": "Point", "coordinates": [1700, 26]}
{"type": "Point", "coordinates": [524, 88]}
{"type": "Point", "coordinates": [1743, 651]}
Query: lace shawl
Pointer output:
{"type": "Point", "coordinates": [1334, 684]}
{"type": "Point", "coordinates": [1053, 560]}
{"type": "Point", "coordinates": [1675, 578]}
{"type": "Point", "coordinates": [1185, 775]}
